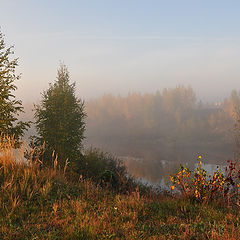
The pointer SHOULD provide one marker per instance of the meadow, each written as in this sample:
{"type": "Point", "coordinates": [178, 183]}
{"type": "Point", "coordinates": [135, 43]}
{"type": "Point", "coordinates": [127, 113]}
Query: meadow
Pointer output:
{"type": "Point", "coordinates": [38, 202]}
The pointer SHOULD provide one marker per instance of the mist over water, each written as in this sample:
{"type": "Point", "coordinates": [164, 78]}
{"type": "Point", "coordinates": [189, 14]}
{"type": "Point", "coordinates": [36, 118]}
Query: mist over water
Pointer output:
{"type": "Point", "coordinates": [153, 168]}
{"type": "Point", "coordinates": [156, 132]}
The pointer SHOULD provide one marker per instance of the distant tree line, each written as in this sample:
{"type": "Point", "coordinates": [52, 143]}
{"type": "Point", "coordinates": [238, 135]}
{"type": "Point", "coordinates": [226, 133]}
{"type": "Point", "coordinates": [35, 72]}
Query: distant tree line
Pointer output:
{"type": "Point", "coordinates": [164, 120]}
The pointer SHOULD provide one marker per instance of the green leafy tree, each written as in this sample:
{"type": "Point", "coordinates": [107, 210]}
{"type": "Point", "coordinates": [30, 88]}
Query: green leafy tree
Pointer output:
{"type": "Point", "coordinates": [60, 120]}
{"type": "Point", "coordinates": [10, 108]}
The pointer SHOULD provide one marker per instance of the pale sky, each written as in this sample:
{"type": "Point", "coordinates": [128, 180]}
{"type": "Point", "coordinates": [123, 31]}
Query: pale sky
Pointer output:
{"type": "Point", "coordinates": [113, 46]}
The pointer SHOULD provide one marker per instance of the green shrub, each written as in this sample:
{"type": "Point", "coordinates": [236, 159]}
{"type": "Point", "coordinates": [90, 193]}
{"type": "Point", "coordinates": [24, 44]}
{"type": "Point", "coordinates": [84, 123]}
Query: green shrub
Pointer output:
{"type": "Point", "coordinates": [105, 169]}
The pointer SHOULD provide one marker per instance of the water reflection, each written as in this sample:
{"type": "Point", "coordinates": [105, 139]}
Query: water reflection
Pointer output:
{"type": "Point", "coordinates": [155, 172]}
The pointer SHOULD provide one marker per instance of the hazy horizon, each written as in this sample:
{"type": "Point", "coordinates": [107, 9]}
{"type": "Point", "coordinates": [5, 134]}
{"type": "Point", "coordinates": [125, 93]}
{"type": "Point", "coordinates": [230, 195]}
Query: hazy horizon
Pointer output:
{"type": "Point", "coordinates": [121, 47]}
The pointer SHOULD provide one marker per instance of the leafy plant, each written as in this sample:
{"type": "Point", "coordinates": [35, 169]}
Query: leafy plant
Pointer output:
{"type": "Point", "coordinates": [203, 187]}
{"type": "Point", "coordinates": [10, 108]}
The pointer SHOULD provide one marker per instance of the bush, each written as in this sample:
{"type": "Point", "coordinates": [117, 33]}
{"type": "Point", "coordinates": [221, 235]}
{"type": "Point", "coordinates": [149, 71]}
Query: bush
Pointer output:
{"type": "Point", "coordinates": [104, 168]}
{"type": "Point", "coordinates": [201, 186]}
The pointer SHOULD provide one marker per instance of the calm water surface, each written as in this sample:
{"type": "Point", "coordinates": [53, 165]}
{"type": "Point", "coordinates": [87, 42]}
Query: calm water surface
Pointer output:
{"type": "Point", "coordinates": [155, 172]}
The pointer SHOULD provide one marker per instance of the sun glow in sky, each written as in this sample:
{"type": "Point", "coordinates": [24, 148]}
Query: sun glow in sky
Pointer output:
{"type": "Point", "coordinates": [128, 45]}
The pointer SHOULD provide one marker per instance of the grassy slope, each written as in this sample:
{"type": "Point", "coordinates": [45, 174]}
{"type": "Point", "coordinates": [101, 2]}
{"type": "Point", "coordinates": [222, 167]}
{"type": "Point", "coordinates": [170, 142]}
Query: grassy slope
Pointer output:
{"type": "Point", "coordinates": [40, 203]}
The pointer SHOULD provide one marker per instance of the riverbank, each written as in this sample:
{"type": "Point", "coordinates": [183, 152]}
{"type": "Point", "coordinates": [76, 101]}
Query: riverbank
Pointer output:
{"type": "Point", "coordinates": [47, 203]}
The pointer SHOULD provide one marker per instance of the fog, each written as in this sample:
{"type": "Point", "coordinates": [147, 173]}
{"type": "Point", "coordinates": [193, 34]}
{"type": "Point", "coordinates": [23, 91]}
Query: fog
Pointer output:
{"type": "Point", "coordinates": [156, 76]}
{"type": "Point", "coordinates": [211, 67]}
{"type": "Point", "coordinates": [121, 47]}
{"type": "Point", "coordinates": [156, 132]}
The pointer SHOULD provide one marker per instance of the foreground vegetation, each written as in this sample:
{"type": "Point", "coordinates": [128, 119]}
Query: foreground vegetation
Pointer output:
{"type": "Point", "coordinates": [48, 203]}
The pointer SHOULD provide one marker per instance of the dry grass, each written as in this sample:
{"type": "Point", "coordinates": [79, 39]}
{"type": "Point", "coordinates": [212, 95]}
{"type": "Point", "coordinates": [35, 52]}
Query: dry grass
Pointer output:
{"type": "Point", "coordinates": [43, 203]}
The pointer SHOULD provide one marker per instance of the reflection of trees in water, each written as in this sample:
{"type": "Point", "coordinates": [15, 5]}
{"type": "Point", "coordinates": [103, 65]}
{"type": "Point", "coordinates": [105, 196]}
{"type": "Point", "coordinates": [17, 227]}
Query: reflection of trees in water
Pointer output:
{"type": "Point", "coordinates": [152, 171]}
{"type": "Point", "coordinates": [156, 160]}
{"type": "Point", "coordinates": [157, 171]}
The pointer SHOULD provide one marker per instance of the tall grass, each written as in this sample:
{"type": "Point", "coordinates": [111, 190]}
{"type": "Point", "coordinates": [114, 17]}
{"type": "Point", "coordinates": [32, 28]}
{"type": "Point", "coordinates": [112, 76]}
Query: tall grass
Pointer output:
{"type": "Point", "coordinates": [44, 203]}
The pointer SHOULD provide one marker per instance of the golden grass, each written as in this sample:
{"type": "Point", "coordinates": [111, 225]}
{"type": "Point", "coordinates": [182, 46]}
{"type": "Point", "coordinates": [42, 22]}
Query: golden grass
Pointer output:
{"type": "Point", "coordinates": [44, 203]}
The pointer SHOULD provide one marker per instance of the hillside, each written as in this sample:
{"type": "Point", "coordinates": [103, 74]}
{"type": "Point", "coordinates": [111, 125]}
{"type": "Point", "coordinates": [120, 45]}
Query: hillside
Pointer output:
{"type": "Point", "coordinates": [49, 203]}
